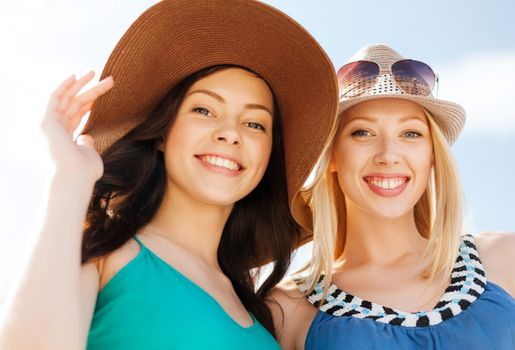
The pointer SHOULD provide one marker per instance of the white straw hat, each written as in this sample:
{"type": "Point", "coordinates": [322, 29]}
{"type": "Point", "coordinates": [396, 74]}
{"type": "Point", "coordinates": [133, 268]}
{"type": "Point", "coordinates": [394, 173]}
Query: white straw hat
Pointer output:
{"type": "Point", "coordinates": [449, 116]}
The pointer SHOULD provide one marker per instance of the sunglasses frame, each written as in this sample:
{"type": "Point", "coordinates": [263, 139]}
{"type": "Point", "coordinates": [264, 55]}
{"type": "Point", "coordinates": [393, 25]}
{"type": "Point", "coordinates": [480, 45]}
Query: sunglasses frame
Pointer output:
{"type": "Point", "coordinates": [382, 71]}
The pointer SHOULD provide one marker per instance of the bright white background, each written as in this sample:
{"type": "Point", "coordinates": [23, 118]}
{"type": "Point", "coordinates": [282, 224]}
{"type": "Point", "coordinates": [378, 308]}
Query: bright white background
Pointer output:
{"type": "Point", "coordinates": [471, 44]}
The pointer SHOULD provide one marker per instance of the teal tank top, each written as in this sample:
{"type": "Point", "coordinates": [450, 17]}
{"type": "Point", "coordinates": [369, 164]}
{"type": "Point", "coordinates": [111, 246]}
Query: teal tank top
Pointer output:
{"type": "Point", "coordinates": [150, 305]}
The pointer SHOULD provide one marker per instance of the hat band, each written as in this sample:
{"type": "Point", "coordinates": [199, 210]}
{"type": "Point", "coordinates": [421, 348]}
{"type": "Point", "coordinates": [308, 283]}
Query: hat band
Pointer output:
{"type": "Point", "coordinates": [361, 78]}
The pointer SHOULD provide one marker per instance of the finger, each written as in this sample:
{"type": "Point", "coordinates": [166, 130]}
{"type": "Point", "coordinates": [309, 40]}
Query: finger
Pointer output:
{"type": "Point", "coordinates": [76, 119]}
{"type": "Point", "coordinates": [72, 91]}
{"type": "Point", "coordinates": [85, 109]}
{"type": "Point", "coordinates": [88, 97]}
{"type": "Point", "coordinates": [96, 91]}
{"type": "Point", "coordinates": [74, 109]}
{"type": "Point", "coordinates": [64, 85]}
{"type": "Point", "coordinates": [85, 140]}
{"type": "Point", "coordinates": [59, 91]}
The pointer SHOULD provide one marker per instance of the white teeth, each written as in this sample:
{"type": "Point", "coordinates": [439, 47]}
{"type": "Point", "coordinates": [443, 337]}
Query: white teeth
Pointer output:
{"type": "Point", "coordinates": [388, 184]}
{"type": "Point", "coordinates": [228, 164]}
{"type": "Point", "coordinates": [221, 162]}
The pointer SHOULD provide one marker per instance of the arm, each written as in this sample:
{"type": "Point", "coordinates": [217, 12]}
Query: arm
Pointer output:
{"type": "Point", "coordinates": [497, 252]}
{"type": "Point", "coordinates": [46, 303]}
{"type": "Point", "coordinates": [52, 304]}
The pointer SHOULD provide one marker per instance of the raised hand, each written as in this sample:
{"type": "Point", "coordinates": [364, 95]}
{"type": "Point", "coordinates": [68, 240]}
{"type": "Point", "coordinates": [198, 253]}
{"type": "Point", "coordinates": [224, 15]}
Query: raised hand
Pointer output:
{"type": "Point", "coordinates": [65, 110]}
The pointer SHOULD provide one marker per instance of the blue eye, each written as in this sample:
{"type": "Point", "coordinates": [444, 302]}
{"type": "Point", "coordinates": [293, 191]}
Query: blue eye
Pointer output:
{"type": "Point", "coordinates": [360, 133]}
{"type": "Point", "coordinates": [412, 134]}
{"type": "Point", "coordinates": [254, 125]}
{"type": "Point", "coordinates": [203, 111]}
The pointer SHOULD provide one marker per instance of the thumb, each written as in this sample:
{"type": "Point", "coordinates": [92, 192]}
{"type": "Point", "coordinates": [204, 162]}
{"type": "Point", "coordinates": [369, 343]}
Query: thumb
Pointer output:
{"type": "Point", "coordinates": [85, 140]}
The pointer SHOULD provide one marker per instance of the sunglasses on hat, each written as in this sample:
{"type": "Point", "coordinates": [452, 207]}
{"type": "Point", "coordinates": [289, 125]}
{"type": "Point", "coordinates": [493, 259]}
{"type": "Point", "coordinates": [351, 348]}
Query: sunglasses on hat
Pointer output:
{"type": "Point", "coordinates": [413, 77]}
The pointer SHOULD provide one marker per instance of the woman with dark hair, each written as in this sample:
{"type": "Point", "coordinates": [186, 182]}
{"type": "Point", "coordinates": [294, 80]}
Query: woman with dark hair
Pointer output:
{"type": "Point", "coordinates": [198, 139]}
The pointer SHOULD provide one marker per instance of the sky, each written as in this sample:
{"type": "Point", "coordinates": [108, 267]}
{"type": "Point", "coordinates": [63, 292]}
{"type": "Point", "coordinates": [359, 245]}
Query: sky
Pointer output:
{"type": "Point", "coordinates": [470, 44]}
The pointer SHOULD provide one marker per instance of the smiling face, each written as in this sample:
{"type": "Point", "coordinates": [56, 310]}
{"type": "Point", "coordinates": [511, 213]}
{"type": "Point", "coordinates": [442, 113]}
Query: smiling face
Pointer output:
{"type": "Point", "coordinates": [382, 153]}
{"type": "Point", "coordinates": [218, 147]}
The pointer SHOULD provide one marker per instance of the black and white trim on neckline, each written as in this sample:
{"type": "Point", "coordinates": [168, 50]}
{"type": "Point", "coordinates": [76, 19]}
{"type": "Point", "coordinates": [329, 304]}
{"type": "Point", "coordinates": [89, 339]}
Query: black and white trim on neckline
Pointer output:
{"type": "Point", "coordinates": [467, 284]}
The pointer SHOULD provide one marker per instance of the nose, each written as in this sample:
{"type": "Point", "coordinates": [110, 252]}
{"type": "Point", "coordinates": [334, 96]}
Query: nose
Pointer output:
{"type": "Point", "coordinates": [228, 133]}
{"type": "Point", "coordinates": [387, 153]}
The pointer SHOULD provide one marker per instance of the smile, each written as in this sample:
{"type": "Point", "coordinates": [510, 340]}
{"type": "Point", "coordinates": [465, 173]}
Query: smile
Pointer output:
{"type": "Point", "coordinates": [387, 183]}
{"type": "Point", "coordinates": [220, 162]}
{"type": "Point", "coordinates": [387, 186]}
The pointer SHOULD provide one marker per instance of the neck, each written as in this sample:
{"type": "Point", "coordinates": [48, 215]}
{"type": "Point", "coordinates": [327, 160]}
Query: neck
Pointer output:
{"type": "Point", "coordinates": [194, 225]}
{"type": "Point", "coordinates": [380, 241]}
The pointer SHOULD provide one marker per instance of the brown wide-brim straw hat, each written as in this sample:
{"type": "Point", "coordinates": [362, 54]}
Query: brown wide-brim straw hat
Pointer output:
{"type": "Point", "coordinates": [175, 38]}
{"type": "Point", "coordinates": [449, 116]}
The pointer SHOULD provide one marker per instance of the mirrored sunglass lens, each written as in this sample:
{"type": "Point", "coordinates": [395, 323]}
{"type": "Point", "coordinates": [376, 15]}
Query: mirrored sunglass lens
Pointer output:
{"type": "Point", "coordinates": [356, 77]}
{"type": "Point", "coordinates": [414, 77]}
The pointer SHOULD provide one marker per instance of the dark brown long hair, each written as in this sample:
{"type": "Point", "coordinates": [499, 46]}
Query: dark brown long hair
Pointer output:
{"type": "Point", "coordinates": [127, 196]}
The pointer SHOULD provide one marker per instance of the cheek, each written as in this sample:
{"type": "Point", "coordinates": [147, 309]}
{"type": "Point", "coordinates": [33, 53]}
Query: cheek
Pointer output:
{"type": "Point", "coordinates": [422, 161]}
{"type": "Point", "coordinates": [185, 133]}
{"type": "Point", "coordinates": [261, 150]}
{"type": "Point", "coordinates": [348, 163]}
{"type": "Point", "coordinates": [348, 159]}
{"type": "Point", "coordinates": [180, 143]}
{"type": "Point", "coordinates": [426, 159]}
{"type": "Point", "coordinates": [175, 134]}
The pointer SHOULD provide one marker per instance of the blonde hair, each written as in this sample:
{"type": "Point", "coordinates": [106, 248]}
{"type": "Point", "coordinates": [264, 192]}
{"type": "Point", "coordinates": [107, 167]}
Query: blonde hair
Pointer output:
{"type": "Point", "coordinates": [438, 215]}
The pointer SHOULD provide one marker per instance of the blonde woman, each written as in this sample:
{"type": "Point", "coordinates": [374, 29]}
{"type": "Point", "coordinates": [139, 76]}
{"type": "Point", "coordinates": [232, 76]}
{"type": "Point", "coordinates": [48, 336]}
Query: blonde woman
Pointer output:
{"type": "Point", "coordinates": [392, 267]}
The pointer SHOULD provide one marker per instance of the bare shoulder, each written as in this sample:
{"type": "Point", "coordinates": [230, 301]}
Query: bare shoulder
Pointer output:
{"type": "Point", "coordinates": [286, 299]}
{"type": "Point", "coordinates": [292, 314]}
{"type": "Point", "coordinates": [496, 247]}
{"type": "Point", "coordinates": [497, 253]}
{"type": "Point", "coordinates": [110, 264]}
{"type": "Point", "coordinates": [287, 294]}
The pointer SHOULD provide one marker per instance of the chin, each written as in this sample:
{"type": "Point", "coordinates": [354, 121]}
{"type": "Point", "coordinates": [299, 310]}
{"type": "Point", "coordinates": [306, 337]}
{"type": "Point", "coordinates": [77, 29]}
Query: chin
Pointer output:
{"type": "Point", "coordinates": [220, 198]}
{"type": "Point", "coordinates": [391, 212]}
{"type": "Point", "coordinates": [393, 215]}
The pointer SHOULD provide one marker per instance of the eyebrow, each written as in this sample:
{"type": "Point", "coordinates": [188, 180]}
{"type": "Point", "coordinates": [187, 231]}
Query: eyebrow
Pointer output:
{"type": "Point", "coordinates": [374, 120]}
{"type": "Point", "coordinates": [222, 100]}
{"type": "Point", "coordinates": [368, 119]}
{"type": "Point", "coordinates": [405, 119]}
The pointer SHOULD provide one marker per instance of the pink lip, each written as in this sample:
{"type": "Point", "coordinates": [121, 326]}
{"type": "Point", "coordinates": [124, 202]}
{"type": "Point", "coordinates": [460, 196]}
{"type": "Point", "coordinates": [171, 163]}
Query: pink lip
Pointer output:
{"type": "Point", "coordinates": [218, 169]}
{"type": "Point", "coordinates": [386, 192]}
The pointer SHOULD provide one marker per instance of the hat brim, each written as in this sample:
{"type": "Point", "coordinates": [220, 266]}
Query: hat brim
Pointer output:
{"type": "Point", "coordinates": [174, 39]}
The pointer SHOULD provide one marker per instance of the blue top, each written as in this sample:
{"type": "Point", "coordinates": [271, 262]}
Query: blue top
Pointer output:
{"type": "Point", "coordinates": [473, 314]}
{"type": "Point", "coordinates": [150, 305]}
